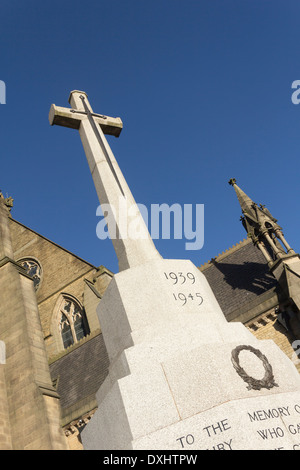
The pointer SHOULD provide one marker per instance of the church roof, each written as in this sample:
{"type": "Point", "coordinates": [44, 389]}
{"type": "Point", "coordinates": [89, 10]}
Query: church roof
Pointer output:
{"type": "Point", "coordinates": [79, 375]}
{"type": "Point", "coordinates": [238, 277]}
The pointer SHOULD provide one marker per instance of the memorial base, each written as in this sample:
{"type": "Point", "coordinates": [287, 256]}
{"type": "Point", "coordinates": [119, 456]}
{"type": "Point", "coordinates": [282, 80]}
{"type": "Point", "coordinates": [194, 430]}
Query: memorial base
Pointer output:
{"type": "Point", "coordinates": [181, 376]}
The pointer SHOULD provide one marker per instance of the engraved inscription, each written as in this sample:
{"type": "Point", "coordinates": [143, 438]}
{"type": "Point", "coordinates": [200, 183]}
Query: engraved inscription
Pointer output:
{"type": "Point", "coordinates": [222, 435]}
{"type": "Point", "coordinates": [184, 298]}
{"type": "Point", "coordinates": [185, 280]}
{"type": "Point", "coordinates": [180, 277]}
{"type": "Point", "coordinates": [213, 431]}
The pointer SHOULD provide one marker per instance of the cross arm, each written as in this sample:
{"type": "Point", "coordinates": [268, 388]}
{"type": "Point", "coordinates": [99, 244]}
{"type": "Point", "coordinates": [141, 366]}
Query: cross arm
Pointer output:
{"type": "Point", "coordinates": [72, 118]}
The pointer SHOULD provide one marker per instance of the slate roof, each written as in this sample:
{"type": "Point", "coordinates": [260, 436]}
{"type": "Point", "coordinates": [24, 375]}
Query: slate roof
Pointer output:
{"type": "Point", "coordinates": [239, 276]}
{"type": "Point", "coordinates": [80, 373]}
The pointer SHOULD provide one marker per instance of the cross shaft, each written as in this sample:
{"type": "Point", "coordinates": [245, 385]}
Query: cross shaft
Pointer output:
{"type": "Point", "coordinates": [114, 194]}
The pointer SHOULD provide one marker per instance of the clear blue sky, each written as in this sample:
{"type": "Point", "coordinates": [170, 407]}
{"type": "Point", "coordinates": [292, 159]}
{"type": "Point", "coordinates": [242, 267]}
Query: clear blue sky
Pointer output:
{"type": "Point", "coordinates": [204, 91]}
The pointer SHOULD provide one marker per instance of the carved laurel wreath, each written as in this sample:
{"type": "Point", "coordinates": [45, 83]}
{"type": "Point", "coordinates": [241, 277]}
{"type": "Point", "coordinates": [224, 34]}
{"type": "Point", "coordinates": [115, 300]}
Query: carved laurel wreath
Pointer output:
{"type": "Point", "coordinates": [254, 384]}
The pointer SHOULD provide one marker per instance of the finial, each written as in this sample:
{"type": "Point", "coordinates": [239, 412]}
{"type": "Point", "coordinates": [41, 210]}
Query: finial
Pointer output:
{"type": "Point", "coordinates": [232, 181]}
{"type": "Point", "coordinates": [8, 202]}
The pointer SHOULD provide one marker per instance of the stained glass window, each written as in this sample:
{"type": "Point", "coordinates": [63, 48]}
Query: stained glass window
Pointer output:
{"type": "Point", "coordinates": [66, 332]}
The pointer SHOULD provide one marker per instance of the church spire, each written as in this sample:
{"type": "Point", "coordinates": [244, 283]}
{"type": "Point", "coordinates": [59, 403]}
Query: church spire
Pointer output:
{"type": "Point", "coordinates": [267, 235]}
{"type": "Point", "coordinates": [245, 202]}
{"type": "Point", "coordinates": [262, 227]}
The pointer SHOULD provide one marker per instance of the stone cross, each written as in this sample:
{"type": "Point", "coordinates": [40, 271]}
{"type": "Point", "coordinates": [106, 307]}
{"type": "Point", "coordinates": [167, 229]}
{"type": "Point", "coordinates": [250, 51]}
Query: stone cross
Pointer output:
{"type": "Point", "coordinates": [175, 361]}
{"type": "Point", "coordinates": [132, 248]}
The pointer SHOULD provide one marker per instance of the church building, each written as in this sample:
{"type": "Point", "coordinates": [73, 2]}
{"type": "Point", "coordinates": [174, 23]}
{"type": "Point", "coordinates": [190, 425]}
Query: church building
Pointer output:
{"type": "Point", "coordinates": [56, 359]}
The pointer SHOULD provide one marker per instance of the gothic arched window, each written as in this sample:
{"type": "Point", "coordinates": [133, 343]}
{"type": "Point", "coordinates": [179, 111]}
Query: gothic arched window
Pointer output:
{"type": "Point", "coordinates": [73, 324]}
{"type": "Point", "coordinates": [33, 269]}
{"type": "Point", "coordinates": [66, 332]}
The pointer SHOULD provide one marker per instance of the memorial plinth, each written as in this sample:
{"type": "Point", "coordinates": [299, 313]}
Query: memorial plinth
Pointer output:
{"type": "Point", "coordinates": [181, 376]}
